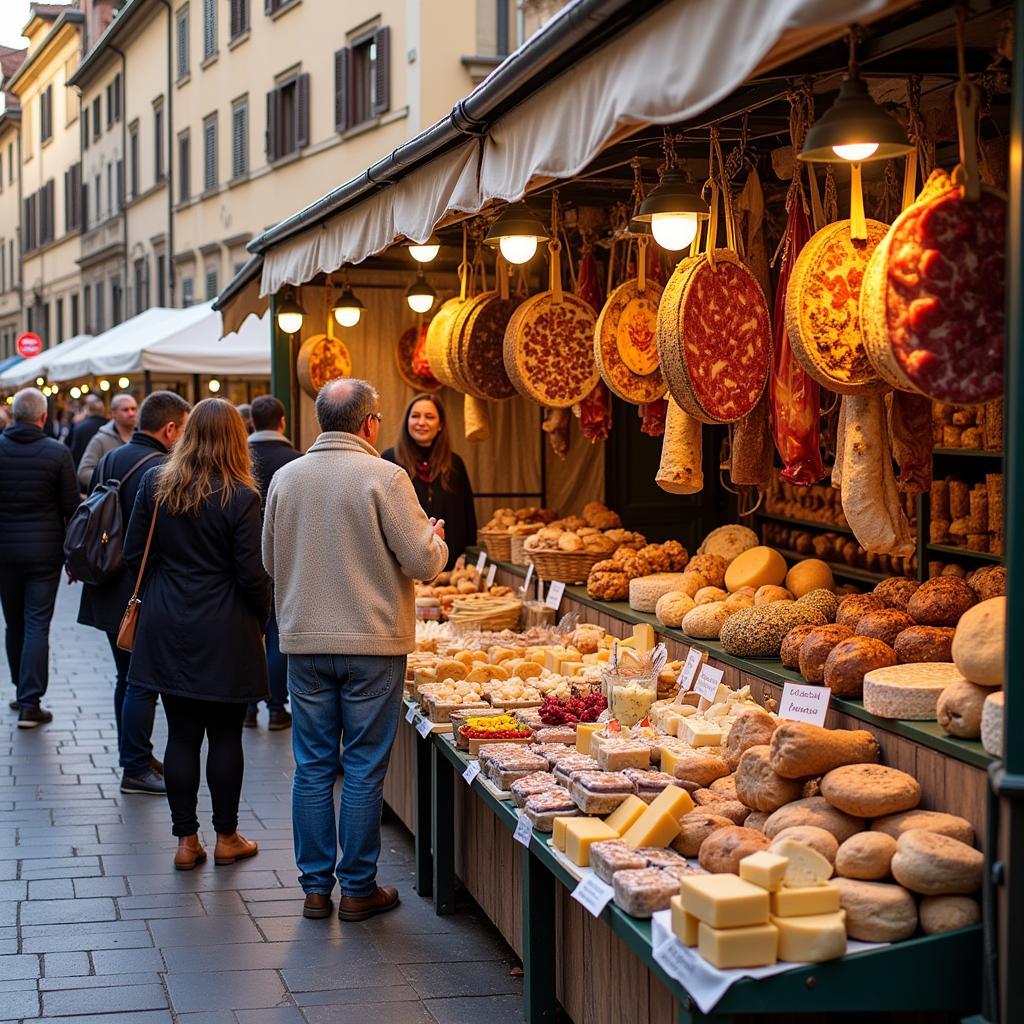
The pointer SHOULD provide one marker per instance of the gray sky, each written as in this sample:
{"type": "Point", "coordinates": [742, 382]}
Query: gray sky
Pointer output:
{"type": "Point", "coordinates": [13, 16]}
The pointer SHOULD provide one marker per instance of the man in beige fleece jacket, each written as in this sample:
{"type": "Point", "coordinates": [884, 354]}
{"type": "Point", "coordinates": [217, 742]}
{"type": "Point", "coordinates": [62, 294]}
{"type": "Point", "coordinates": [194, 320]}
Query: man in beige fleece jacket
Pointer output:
{"type": "Point", "coordinates": [344, 537]}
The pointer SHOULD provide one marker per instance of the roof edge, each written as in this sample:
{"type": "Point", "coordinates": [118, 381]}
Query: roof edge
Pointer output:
{"type": "Point", "coordinates": [120, 22]}
{"type": "Point", "coordinates": [71, 16]}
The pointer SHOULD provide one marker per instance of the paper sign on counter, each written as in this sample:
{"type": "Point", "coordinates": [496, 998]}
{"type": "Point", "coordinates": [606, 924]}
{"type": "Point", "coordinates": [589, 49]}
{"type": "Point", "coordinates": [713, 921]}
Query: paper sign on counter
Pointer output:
{"type": "Point", "coordinates": [471, 772]}
{"type": "Point", "coordinates": [803, 702]}
{"type": "Point", "coordinates": [555, 592]}
{"type": "Point", "coordinates": [410, 715]}
{"type": "Point", "coordinates": [688, 672]}
{"type": "Point", "coordinates": [523, 830]}
{"type": "Point", "coordinates": [424, 726]}
{"type": "Point", "coordinates": [481, 562]}
{"type": "Point", "coordinates": [593, 894]}
{"type": "Point", "coordinates": [529, 576]}
{"type": "Point", "coordinates": [707, 681]}
{"type": "Point", "coordinates": [491, 573]}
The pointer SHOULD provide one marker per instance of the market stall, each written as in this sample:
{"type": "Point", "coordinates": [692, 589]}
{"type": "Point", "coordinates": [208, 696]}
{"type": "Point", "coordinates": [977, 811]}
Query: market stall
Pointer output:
{"type": "Point", "coordinates": [773, 485]}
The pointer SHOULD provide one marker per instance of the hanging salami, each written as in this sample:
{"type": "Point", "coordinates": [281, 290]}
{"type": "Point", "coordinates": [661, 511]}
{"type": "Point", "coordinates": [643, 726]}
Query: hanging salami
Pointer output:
{"type": "Point", "coordinates": [410, 357]}
{"type": "Point", "coordinates": [320, 359]}
{"type": "Point", "coordinates": [932, 306]}
{"type": "Point", "coordinates": [681, 467]}
{"type": "Point", "coordinates": [477, 341]}
{"type": "Point", "coordinates": [823, 308]}
{"type": "Point", "coordinates": [625, 343]}
{"type": "Point", "coordinates": [595, 411]}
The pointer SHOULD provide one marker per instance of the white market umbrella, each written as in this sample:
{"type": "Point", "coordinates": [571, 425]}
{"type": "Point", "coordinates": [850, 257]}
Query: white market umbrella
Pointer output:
{"type": "Point", "coordinates": [28, 370]}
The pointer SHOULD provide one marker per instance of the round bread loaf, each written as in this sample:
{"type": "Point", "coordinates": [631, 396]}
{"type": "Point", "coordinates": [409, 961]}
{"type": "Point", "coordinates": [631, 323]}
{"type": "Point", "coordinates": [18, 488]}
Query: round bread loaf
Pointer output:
{"type": "Point", "coordinates": [711, 567]}
{"type": "Point", "coordinates": [800, 749]}
{"type": "Point", "coordinates": [947, 913]}
{"type": "Point", "coordinates": [866, 856]}
{"type": "Point", "coordinates": [706, 620]}
{"type": "Point", "coordinates": [979, 645]}
{"type": "Point", "coordinates": [814, 810]}
{"type": "Point", "coordinates": [883, 624]}
{"type": "Point", "coordinates": [960, 708]}
{"type": "Point", "coordinates": [696, 827]}
{"type": "Point", "coordinates": [943, 824]}
{"type": "Point", "coordinates": [850, 660]}
{"type": "Point", "coordinates": [823, 601]}
{"type": "Point", "coordinates": [729, 541]}
{"type": "Point", "coordinates": [750, 729]}
{"type": "Point", "coordinates": [725, 787]}
{"type": "Point", "coordinates": [992, 724]}
{"type": "Point", "coordinates": [758, 786]}
{"type": "Point", "coordinates": [769, 593]}
{"type": "Point", "coordinates": [936, 865]}
{"type": "Point", "coordinates": [941, 601]}
{"type": "Point", "coordinates": [735, 810]}
{"type": "Point", "coordinates": [816, 648]}
{"type": "Point", "coordinates": [816, 838]}
{"type": "Point", "coordinates": [789, 652]}
{"type": "Point", "coordinates": [756, 820]}
{"type": "Point", "coordinates": [736, 602]}
{"type": "Point", "coordinates": [758, 632]}
{"type": "Point", "coordinates": [897, 591]}
{"type": "Point", "coordinates": [723, 850]}
{"type": "Point", "coordinates": [988, 582]}
{"type": "Point", "coordinates": [809, 575]}
{"type": "Point", "coordinates": [876, 911]}
{"type": "Point", "coordinates": [646, 591]}
{"type": "Point", "coordinates": [853, 606]}
{"type": "Point", "coordinates": [924, 643]}
{"type": "Point", "coordinates": [672, 607]}
{"type": "Point", "coordinates": [709, 595]}
{"type": "Point", "coordinates": [700, 768]}
{"type": "Point", "coordinates": [870, 790]}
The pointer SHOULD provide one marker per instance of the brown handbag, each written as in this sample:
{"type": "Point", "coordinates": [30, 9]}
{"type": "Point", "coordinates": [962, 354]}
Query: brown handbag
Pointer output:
{"type": "Point", "coordinates": [130, 619]}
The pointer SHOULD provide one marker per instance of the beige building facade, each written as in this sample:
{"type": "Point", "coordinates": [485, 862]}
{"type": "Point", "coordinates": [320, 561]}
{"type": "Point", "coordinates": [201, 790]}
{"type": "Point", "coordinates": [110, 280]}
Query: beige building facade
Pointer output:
{"type": "Point", "coordinates": [10, 216]}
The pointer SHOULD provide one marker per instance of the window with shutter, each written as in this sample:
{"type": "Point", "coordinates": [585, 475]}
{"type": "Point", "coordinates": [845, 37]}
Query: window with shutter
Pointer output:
{"type": "Point", "coordinates": [181, 22]}
{"type": "Point", "coordinates": [381, 72]}
{"type": "Point", "coordinates": [184, 167]}
{"type": "Point", "coordinates": [98, 187]}
{"type": "Point", "coordinates": [288, 117]}
{"type": "Point", "coordinates": [158, 141]}
{"type": "Point", "coordinates": [97, 126]}
{"type": "Point", "coordinates": [187, 291]}
{"type": "Point", "coordinates": [368, 82]}
{"type": "Point", "coordinates": [273, 136]}
{"type": "Point", "coordinates": [210, 174]}
{"type": "Point", "coordinates": [115, 300]}
{"type": "Point", "coordinates": [87, 301]}
{"type": "Point", "coordinates": [120, 185]}
{"type": "Point", "coordinates": [133, 160]}
{"type": "Point", "coordinates": [161, 280]}
{"type": "Point", "coordinates": [209, 28]}
{"type": "Point", "coordinates": [302, 111]}
{"type": "Point", "coordinates": [110, 104]}
{"type": "Point", "coordinates": [75, 323]}
{"type": "Point", "coordinates": [342, 66]}
{"type": "Point", "coordinates": [85, 128]}
{"type": "Point", "coordinates": [85, 206]}
{"type": "Point", "coordinates": [100, 317]}
{"type": "Point", "coordinates": [211, 283]}
{"type": "Point", "coordinates": [239, 17]}
{"type": "Point", "coordinates": [240, 139]}
{"type": "Point", "coordinates": [59, 321]}
{"type": "Point", "coordinates": [117, 97]}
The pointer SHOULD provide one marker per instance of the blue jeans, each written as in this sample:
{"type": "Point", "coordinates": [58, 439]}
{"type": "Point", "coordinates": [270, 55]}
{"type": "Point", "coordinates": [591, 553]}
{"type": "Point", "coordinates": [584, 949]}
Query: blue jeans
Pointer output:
{"type": "Point", "coordinates": [28, 596]}
{"type": "Point", "coordinates": [277, 668]}
{"type": "Point", "coordinates": [355, 700]}
{"type": "Point", "coordinates": [134, 713]}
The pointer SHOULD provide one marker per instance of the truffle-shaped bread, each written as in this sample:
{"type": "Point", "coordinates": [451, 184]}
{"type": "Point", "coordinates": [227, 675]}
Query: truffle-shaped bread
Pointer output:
{"type": "Point", "coordinates": [850, 660]}
{"type": "Point", "coordinates": [711, 567]}
{"type": "Point", "coordinates": [696, 827]}
{"type": "Point", "coordinates": [866, 856]}
{"type": "Point", "coordinates": [750, 729]}
{"type": "Point", "coordinates": [723, 850]}
{"type": "Point", "coordinates": [897, 591]}
{"type": "Point", "coordinates": [883, 624]}
{"type": "Point", "coordinates": [853, 606]}
{"type": "Point", "coordinates": [789, 652]}
{"type": "Point", "coordinates": [924, 643]}
{"type": "Point", "coordinates": [988, 582]}
{"type": "Point", "coordinates": [816, 648]}
{"type": "Point", "coordinates": [941, 601]}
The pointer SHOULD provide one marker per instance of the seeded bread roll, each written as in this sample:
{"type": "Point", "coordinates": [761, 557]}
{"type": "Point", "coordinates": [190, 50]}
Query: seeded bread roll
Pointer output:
{"type": "Point", "coordinates": [759, 787]}
{"type": "Point", "coordinates": [866, 855]}
{"type": "Point", "coordinates": [723, 850]}
{"type": "Point", "coordinates": [750, 729]}
{"type": "Point", "coordinates": [924, 643]}
{"type": "Point", "coordinates": [758, 632]}
{"type": "Point", "coordinates": [936, 865]}
{"type": "Point", "coordinates": [799, 749]}
{"type": "Point", "coordinates": [870, 790]}
{"type": "Point", "coordinates": [823, 601]}
{"type": "Point", "coordinates": [875, 911]}
{"type": "Point", "coordinates": [850, 660]}
{"type": "Point", "coordinates": [815, 649]}
{"type": "Point", "coordinates": [789, 652]}
{"type": "Point", "coordinates": [897, 591]}
{"type": "Point", "coordinates": [853, 606]}
{"type": "Point", "coordinates": [941, 601]}
{"type": "Point", "coordinates": [947, 913]}
{"type": "Point", "coordinates": [883, 624]}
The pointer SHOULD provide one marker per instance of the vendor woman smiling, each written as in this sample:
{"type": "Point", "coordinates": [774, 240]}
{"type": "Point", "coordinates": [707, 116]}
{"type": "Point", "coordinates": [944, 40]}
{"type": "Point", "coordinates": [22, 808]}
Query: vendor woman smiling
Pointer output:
{"type": "Point", "coordinates": [439, 476]}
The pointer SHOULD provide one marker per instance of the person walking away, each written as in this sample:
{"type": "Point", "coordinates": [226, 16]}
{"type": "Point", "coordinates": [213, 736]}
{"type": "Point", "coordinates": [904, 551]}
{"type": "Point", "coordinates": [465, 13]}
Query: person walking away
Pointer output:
{"type": "Point", "coordinates": [40, 495]}
{"type": "Point", "coordinates": [344, 537]}
{"type": "Point", "coordinates": [93, 416]}
{"type": "Point", "coordinates": [114, 433]}
{"type": "Point", "coordinates": [245, 411]}
{"type": "Point", "coordinates": [162, 417]}
{"type": "Point", "coordinates": [205, 603]}
{"type": "Point", "coordinates": [438, 475]}
{"type": "Point", "coordinates": [271, 450]}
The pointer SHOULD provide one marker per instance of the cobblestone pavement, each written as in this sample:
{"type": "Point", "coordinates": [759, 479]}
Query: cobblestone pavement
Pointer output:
{"type": "Point", "coordinates": [97, 928]}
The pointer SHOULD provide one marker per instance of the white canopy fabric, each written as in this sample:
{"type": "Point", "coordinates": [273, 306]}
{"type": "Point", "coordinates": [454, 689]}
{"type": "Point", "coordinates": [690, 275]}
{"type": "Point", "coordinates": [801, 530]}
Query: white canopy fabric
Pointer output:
{"type": "Point", "coordinates": [184, 341]}
{"type": "Point", "coordinates": [31, 369]}
{"type": "Point", "coordinates": [678, 61]}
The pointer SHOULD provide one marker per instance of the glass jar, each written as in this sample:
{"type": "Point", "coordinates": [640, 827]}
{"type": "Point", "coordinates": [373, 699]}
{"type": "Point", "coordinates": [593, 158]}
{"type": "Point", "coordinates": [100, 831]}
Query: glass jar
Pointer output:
{"type": "Point", "coordinates": [629, 697]}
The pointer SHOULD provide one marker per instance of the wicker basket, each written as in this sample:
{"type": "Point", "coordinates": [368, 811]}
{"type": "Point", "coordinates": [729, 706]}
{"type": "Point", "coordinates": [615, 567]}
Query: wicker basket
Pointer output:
{"type": "Point", "coordinates": [497, 544]}
{"type": "Point", "coordinates": [498, 621]}
{"type": "Point", "coordinates": [519, 555]}
{"type": "Point", "coordinates": [566, 566]}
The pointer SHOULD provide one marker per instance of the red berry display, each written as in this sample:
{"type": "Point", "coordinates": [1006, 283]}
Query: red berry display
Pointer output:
{"type": "Point", "coordinates": [578, 707]}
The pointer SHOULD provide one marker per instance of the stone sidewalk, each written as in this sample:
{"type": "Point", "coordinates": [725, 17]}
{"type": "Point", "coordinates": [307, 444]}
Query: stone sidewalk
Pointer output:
{"type": "Point", "coordinates": [97, 928]}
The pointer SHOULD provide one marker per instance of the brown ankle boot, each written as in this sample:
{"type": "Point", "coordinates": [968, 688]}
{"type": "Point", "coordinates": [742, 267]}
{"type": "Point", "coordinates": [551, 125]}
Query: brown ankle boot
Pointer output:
{"type": "Point", "coordinates": [232, 848]}
{"type": "Point", "coordinates": [359, 908]}
{"type": "Point", "coordinates": [190, 852]}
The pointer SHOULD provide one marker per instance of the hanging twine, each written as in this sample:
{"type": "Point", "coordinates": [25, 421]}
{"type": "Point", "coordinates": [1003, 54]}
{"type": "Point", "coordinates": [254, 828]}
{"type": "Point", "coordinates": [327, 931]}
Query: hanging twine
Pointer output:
{"type": "Point", "coordinates": [831, 199]}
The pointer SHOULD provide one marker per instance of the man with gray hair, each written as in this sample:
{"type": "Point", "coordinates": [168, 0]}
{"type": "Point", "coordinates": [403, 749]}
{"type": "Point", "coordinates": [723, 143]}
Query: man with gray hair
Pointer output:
{"type": "Point", "coordinates": [344, 538]}
{"type": "Point", "coordinates": [118, 430]}
{"type": "Point", "coordinates": [40, 494]}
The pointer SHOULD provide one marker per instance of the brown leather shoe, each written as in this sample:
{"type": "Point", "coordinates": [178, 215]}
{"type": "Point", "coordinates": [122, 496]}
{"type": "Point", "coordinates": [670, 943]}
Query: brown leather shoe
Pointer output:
{"type": "Point", "coordinates": [190, 852]}
{"type": "Point", "coordinates": [316, 905]}
{"type": "Point", "coordinates": [232, 848]}
{"type": "Point", "coordinates": [359, 908]}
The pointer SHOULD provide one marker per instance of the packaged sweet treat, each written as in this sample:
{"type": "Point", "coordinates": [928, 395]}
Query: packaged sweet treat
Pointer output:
{"type": "Point", "coordinates": [611, 855]}
{"type": "Point", "coordinates": [564, 769]}
{"type": "Point", "coordinates": [488, 751]}
{"type": "Point", "coordinates": [615, 755]}
{"type": "Point", "coordinates": [657, 857]}
{"type": "Point", "coordinates": [681, 870]}
{"type": "Point", "coordinates": [649, 783]}
{"type": "Point", "coordinates": [543, 808]}
{"type": "Point", "coordinates": [531, 785]}
{"type": "Point", "coordinates": [643, 891]}
{"type": "Point", "coordinates": [556, 734]}
{"type": "Point", "coordinates": [506, 770]}
{"type": "Point", "coordinates": [597, 792]}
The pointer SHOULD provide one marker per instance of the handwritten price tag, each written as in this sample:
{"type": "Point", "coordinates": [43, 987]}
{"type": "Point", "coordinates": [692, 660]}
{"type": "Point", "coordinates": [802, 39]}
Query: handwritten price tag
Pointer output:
{"type": "Point", "coordinates": [423, 727]}
{"type": "Point", "coordinates": [481, 562]}
{"type": "Point", "coordinates": [802, 702]}
{"type": "Point", "coordinates": [555, 592]}
{"type": "Point", "coordinates": [688, 672]}
{"type": "Point", "coordinates": [707, 681]}
{"type": "Point", "coordinates": [675, 960]}
{"type": "Point", "coordinates": [471, 772]}
{"type": "Point", "coordinates": [593, 894]}
{"type": "Point", "coordinates": [410, 715]}
{"type": "Point", "coordinates": [491, 573]}
{"type": "Point", "coordinates": [523, 831]}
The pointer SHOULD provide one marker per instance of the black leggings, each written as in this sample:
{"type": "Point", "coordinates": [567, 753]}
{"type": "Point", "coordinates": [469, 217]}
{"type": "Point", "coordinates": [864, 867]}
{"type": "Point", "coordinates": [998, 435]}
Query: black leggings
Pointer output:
{"type": "Point", "coordinates": [188, 721]}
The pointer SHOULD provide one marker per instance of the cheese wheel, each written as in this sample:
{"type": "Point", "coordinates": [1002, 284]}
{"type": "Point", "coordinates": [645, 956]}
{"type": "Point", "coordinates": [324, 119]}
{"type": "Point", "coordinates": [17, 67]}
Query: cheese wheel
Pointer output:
{"type": "Point", "coordinates": [908, 691]}
{"type": "Point", "coordinates": [810, 574]}
{"type": "Point", "coordinates": [755, 568]}
{"type": "Point", "coordinates": [992, 724]}
{"type": "Point", "coordinates": [644, 591]}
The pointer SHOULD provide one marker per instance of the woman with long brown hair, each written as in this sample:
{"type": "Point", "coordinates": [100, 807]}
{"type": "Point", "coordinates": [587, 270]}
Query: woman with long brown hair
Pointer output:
{"type": "Point", "coordinates": [438, 475]}
{"type": "Point", "coordinates": [205, 604]}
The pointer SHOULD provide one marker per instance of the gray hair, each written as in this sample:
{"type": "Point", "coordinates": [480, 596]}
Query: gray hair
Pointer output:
{"type": "Point", "coordinates": [29, 404]}
{"type": "Point", "coordinates": [120, 397]}
{"type": "Point", "coordinates": [344, 404]}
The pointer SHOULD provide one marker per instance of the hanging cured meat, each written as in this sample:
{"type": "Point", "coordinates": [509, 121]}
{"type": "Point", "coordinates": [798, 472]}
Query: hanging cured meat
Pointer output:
{"type": "Point", "coordinates": [652, 417]}
{"type": "Point", "coordinates": [410, 357]}
{"type": "Point", "coordinates": [681, 468]}
{"type": "Point", "coordinates": [910, 432]}
{"type": "Point", "coordinates": [625, 343]}
{"type": "Point", "coordinates": [932, 306]}
{"type": "Point", "coordinates": [714, 337]}
{"type": "Point", "coordinates": [750, 462]}
{"type": "Point", "coordinates": [322, 358]}
{"type": "Point", "coordinates": [794, 393]}
{"type": "Point", "coordinates": [439, 340]}
{"type": "Point", "coordinates": [823, 308]}
{"type": "Point", "coordinates": [595, 410]}
{"type": "Point", "coordinates": [477, 343]}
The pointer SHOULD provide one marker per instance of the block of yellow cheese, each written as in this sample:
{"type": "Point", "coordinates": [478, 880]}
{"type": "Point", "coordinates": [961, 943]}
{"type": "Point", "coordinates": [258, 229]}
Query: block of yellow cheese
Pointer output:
{"type": "Point", "coordinates": [553, 658]}
{"type": "Point", "coordinates": [725, 900]}
{"type": "Point", "coordinates": [768, 870]}
{"type": "Point", "coordinates": [643, 637]}
{"type": "Point", "coordinates": [590, 659]}
{"type": "Point", "coordinates": [684, 924]}
{"type": "Point", "coordinates": [625, 814]}
{"type": "Point", "coordinates": [659, 824]}
{"type": "Point", "coordinates": [803, 900]}
{"type": "Point", "coordinates": [603, 656]}
{"type": "Point", "coordinates": [572, 668]}
{"type": "Point", "coordinates": [671, 755]}
{"type": "Point", "coordinates": [752, 946]}
{"type": "Point", "coordinates": [584, 732]}
{"type": "Point", "coordinates": [755, 568]}
{"type": "Point", "coordinates": [812, 939]}
{"type": "Point", "coordinates": [580, 833]}
{"type": "Point", "coordinates": [699, 733]}
{"type": "Point", "coordinates": [558, 833]}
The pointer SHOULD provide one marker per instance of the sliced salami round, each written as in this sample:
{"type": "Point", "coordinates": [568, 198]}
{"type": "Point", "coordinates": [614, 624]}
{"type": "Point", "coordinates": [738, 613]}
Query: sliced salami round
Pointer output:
{"type": "Point", "coordinates": [714, 337]}
{"type": "Point", "coordinates": [439, 340]}
{"type": "Point", "coordinates": [321, 359]}
{"type": "Point", "coordinates": [478, 341]}
{"type": "Point", "coordinates": [932, 306]}
{"type": "Point", "coordinates": [405, 352]}
{"type": "Point", "coordinates": [625, 343]}
{"type": "Point", "coordinates": [823, 308]}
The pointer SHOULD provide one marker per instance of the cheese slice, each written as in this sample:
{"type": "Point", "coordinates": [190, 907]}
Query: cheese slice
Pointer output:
{"type": "Point", "coordinates": [684, 924]}
{"type": "Point", "coordinates": [724, 900]}
{"type": "Point", "coordinates": [699, 733]}
{"type": "Point", "coordinates": [805, 900]}
{"type": "Point", "coordinates": [580, 834]}
{"type": "Point", "coordinates": [768, 870]}
{"type": "Point", "coordinates": [659, 824]}
{"type": "Point", "coordinates": [643, 637]}
{"type": "Point", "coordinates": [752, 946]}
{"type": "Point", "coordinates": [812, 939]}
{"type": "Point", "coordinates": [625, 814]}
{"type": "Point", "coordinates": [806, 866]}
{"type": "Point", "coordinates": [558, 832]}
{"type": "Point", "coordinates": [584, 733]}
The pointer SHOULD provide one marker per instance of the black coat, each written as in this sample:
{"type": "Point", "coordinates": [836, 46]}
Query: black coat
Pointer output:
{"type": "Point", "coordinates": [205, 599]}
{"type": "Point", "coordinates": [270, 451]}
{"type": "Point", "coordinates": [81, 434]}
{"type": "Point", "coordinates": [40, 493]}
{"type": "Point", "coordinates": [103, 606]}
{"type": "Point", "coordinates": [454, 506]}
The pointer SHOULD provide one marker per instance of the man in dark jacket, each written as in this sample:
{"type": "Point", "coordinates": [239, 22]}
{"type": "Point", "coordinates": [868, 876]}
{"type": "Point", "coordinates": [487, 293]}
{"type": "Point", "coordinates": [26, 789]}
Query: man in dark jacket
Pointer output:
{"type": "Point", "coordinates": [40, 495]}
{"type": "Point", "coordinates": [270, 451]}
{"type": "Point", "coordinates": [161, 420]}
{"type": "Point", "coordinates": [82, 432]}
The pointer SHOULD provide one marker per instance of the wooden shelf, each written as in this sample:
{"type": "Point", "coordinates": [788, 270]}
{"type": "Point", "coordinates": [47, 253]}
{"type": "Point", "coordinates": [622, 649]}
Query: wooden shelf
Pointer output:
{"type": "Point", "coordinates": [952, 550]}
{"type": "Point", "coordinates": [813, 524]}
{"type": "Point", "coordinates": [970, 453]}
{"type": "Point", "coordinates": [852, 572]}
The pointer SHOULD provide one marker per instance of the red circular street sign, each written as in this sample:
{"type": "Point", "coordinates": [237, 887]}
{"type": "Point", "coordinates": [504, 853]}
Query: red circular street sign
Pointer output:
{"type": "Point", "coordinates": [29, 345]}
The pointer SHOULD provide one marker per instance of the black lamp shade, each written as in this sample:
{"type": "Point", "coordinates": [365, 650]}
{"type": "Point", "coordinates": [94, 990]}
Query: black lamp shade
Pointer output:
{"type": "Point", "coordinates": [515, 219]}
{"type": "Point", "coordinates": [674, 194]}
{"type": "Point", "coordinates": [347, 299]}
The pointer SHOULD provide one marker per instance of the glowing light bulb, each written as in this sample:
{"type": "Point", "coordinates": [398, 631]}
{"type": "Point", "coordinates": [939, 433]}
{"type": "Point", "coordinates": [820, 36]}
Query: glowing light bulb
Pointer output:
{"type": "Point", "coordinates": [518, 248]}
{"type": "Point", "coordinates": [40, 381]}
{"type": "Point", "coordinates": [290, 323]}
{"type": "Point", "coordinates": [85, 389]}
{"type": "Point", "coordinates": [214, 386]}
{"type": "Point", "coordinates": [123, 382]}
{"type": "Point", "coordinates": [674, 231]}
{"type": "Point", "coordinates": [419, 303]}
{"type": "Point", "coordinates": [104, 385]}
{"type": "Point", "coordinates": [424, 253]}
{"type": "Point", "coordinates": [855, 151]}
{"type": "Point", "coordinates": [348, 316]}
{"type": "Point", "coordinates": [76, 392]}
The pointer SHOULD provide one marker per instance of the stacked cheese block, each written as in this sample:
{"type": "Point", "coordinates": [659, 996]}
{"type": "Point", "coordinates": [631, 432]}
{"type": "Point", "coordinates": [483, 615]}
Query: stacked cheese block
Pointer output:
{"type": "Point", "coordinates": [966, 515]}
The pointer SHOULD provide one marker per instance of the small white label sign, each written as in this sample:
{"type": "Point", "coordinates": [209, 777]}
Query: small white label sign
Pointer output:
{"type": "Point", "coordinates": [471, 772]}
{"type": "Point", "coordinates": [410, 715]}
{"type": "Point", "coordinates": [423, 727]}
{"type": "Point", "coordinates": [529, 576]}
{"type": "Point", "coordinates": [707, 681]}
{"type": "Point", "coordinates": [491, 573]}
{"type": "Point", "coordinates": [481, 562]}
{"type": "Point", "coordinates": [555, 592]}
{"type": "Point", "coordinates": [688, 672]}
{"type": "Point", "coordinates": [593, 894]}
{"type": "Point", "coordinates": [523, 830]}
{"type": "Point", "coordinates": [675, 960]}
{"type": "Point", "coordinates": [802, 702]}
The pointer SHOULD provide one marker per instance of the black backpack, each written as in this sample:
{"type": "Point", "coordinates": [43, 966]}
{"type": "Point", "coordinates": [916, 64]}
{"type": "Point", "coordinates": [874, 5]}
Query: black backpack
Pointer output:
{"type": "Point", "coordinates": [92, 543]}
